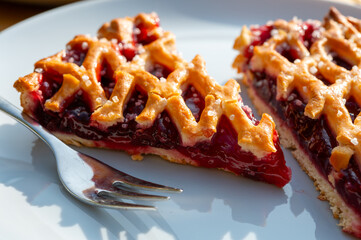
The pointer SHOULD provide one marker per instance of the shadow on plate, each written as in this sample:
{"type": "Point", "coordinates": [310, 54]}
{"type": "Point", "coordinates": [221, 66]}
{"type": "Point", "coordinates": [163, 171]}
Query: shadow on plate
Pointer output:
{"type": "Point", "coordinates": [305, 199]}
{"type": "Point", "coordinates": [246, 201]}
{"type": "Point", "coordinates": [36, 178]}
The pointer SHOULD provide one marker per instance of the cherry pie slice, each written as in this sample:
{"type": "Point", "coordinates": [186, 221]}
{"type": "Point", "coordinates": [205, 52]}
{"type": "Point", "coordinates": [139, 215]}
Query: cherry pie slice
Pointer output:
{"type": "Point", "coordinates": [306, 75]}
{"type": "Point", "coordinates": [129, 89]}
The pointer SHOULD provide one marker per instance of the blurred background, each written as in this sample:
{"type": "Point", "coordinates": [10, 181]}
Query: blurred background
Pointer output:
{"type": "Point", "coordinates": [14, 11]}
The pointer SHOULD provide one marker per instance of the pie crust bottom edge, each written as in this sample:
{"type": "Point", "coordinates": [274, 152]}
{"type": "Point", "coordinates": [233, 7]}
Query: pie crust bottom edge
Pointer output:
{"type": "Point", "coordinates": [136, 153]}
{"type": "Point", "coordinates": [349, 220]}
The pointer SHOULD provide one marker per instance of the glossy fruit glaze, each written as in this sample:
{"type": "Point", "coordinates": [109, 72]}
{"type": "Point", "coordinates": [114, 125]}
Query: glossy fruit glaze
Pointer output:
{"type": "Point", "coordinates": [262, 33]}
{"type": "Point", "coordinates": [313, 135]}
{"type": "Point", "coordinates": [222, 151]}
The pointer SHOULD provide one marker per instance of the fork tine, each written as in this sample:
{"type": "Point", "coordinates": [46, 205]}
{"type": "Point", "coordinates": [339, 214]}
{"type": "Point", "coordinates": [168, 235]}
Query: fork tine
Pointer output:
{"type": "Point", "coordinates": [133, 182]}
{"type": "Point", "coordinates": [121, 193]}
{"type": "Point", "coordinates": [110, 203]}
{"type": "Point", "coordinates": [124, 179]}
{"type": "Point", "coordinates": [103, 201]}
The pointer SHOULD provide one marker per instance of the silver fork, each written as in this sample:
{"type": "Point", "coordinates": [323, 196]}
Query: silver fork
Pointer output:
{"type": "Point", "coordinates": [85, 177]}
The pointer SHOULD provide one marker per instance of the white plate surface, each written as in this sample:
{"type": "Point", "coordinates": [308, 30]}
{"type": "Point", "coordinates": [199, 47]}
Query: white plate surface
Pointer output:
{"type": "Point", "coordinates": [214, 204]}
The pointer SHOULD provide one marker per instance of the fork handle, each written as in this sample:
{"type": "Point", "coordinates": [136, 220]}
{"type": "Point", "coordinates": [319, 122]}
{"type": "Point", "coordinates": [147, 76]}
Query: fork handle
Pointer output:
{"type": "Point", "coordinates": [25, 120]}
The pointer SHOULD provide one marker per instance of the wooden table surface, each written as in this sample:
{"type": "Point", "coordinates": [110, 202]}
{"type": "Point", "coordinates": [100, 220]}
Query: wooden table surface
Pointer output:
{"type": "Point", "coordinates": [12, 13]}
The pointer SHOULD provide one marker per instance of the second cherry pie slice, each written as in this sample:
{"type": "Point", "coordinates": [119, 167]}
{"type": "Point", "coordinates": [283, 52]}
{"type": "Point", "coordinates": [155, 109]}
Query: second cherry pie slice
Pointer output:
{"type": "Point", "coordinates": [307, 75]}
{"type": "Point", "coordinates": [129, 89]}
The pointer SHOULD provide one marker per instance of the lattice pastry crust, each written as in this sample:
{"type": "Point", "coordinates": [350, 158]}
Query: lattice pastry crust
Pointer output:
{"type": "Point", "coordinates": [300, 75]}
{"type": "Point", "coordinates": [163, 94]}
{"type": "Point", "coordinates": [337, 34]}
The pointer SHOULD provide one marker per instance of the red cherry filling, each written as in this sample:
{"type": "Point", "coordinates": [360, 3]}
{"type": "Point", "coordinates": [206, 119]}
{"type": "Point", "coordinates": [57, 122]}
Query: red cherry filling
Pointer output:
{"type": "Point", "coordinates": [106, 79]}
{"type": "Point", "coordinates": [339, 61]}
{"type": "Point", "coordinates": [194, 101]}
{"type": "Point", "coordinates": [144, 34]}
{"type": "Point", "coordinates": [353, 108]}
{"type": "Point", "coordinates": [309, 33]}
{"type": "Point", "coordinates": [49, 84]}
{"type": "Point", "coordinates": [159, 70]}
{"type": "Point", "coordinates": [224, 152]}
{"type": "Point", "coordinates": [75, 54]}
{"type": "Point", "coordinates": [261, 34]}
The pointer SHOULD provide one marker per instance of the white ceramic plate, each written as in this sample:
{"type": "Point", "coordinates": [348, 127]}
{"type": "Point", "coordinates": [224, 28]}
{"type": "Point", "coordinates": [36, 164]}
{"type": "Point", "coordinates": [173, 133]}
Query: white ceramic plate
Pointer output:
{"type": "Point", "coordinates": [214, 204]}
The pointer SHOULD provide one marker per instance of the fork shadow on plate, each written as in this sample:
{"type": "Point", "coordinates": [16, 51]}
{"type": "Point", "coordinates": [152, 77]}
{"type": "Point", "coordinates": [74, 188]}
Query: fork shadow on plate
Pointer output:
{"type": "Point", "coordinates": [33, 173]}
